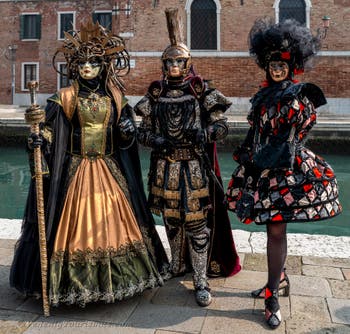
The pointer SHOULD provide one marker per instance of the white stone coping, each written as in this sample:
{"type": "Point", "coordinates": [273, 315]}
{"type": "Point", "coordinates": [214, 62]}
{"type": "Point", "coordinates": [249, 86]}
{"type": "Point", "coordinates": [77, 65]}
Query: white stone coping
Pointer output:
{"type": "Point", "coordinates": [232, 54]}
{"type": "Point", "coordinates": [337, 108]}
{"type": "Point", "coordinates": [246, 242]}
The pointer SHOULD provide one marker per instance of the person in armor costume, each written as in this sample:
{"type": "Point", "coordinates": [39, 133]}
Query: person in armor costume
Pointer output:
{"type": "Point", "coordinates": [279, 180]}
{"type": "Point", "coordinates": [101, 237]}
{"type": "Point", "coordinates": [181, 120]}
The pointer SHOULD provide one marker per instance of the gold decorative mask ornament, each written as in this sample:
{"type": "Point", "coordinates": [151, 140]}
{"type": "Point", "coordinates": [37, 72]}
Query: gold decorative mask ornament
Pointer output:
{"type": "Point", "coordinates": [96, 47]}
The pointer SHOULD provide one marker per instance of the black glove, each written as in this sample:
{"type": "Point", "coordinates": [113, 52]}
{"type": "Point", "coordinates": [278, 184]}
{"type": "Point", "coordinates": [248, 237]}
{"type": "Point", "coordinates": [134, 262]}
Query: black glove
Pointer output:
{"type": "Point", "coordinates": [126, 128]}
{"type": "Point", "coordinates": [162, 144]}
{"type": "Point", "coordinates": [201, 136]}
{"type": "Point", "coordinates": [243, 155]}
{"type": "Point", "coordinates": [35, 140]}
{"type": "Point", "coordinates": [197, 136]}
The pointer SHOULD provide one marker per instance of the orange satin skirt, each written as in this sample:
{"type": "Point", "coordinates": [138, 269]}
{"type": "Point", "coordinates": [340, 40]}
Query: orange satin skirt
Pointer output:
{"type": "Point", "coordinates": [99, 253]}
{"type": "Point", "coordinates": [96, 213]}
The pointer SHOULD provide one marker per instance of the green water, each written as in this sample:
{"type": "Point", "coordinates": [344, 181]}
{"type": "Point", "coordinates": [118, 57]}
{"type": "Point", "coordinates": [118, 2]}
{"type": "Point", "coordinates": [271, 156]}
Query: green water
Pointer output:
{"type": "Point", "coordinates": [15, 178]}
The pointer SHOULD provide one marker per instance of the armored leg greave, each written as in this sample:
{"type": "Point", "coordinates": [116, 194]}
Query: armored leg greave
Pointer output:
{"type": "Point", "coordinates": [198, 247]}
{"type": "Point", "coordinates": [178, 246]}
{"type": "Point", "coordinates": [199, 238]}
{"type": "Point", "coordinates": [193, 238]}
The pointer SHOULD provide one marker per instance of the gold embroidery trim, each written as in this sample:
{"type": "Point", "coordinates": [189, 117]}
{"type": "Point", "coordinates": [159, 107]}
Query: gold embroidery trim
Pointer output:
{"type": "Point", "coordinates": [172, 194]}
{"type": "Point", "coordinates": [174, 176]}
{"type": "Point", "coordinates": [171, 213]}
{"type": "Point", "coordinates": [119, 177]}
{"type": "Point", "coordinates": [99, 255]}
{"type": "Point", "coordinates": [196, 175]}
{"type": "Point", "coordinates": [190, 216]}
{"type": "Point", "coordinates": [215, 267]}
{"type": "Point", "coordinates": [166, 194]}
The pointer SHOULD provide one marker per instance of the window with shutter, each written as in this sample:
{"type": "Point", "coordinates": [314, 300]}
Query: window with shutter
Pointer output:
{"type": "Point", "coordinates": [104, 19]}
{"type": "Point", "coordinates": [66, 22]}
{"type": "Point", "coordinates": [30, 72]}
{"type": "Point", "coordinates": [30, 27]}
{"type": "Point", "coordinates": [63, 80]}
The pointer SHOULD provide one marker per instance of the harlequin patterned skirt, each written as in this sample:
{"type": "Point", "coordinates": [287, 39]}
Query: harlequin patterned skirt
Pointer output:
{"type": "Point", "coordinates": [309, 192]}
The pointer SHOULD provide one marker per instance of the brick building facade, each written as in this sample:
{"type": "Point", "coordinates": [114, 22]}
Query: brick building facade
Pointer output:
{"type": "Point", "coordinates": [143, 25]}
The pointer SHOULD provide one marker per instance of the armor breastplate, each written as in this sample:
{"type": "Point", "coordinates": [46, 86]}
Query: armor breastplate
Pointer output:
{"type": "Point", "coordinates": [94, 114]}
{"type": "Point", "coordinates": [176, 113]}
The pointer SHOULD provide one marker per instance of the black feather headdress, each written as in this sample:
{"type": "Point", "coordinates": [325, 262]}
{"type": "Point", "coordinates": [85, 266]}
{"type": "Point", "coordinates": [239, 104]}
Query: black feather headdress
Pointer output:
{"type": "Point", "coordinates": [288, 41]}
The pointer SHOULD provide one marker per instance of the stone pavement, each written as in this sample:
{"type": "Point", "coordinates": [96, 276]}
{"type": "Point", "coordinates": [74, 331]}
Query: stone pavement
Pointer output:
{"type": "Point", "coordinates": [319, 302]}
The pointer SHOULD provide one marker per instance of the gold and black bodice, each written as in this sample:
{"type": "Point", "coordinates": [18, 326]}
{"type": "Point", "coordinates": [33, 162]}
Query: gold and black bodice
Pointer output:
{"type": "Point", "coordinates": [93, 127]}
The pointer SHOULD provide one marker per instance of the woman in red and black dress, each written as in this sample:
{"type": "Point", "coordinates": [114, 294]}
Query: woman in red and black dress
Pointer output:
{"type": "Point", "coordinates": [278, 179]}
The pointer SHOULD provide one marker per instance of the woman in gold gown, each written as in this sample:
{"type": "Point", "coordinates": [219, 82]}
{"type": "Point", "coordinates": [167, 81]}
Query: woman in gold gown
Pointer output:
{"type": "Point", "coordinates": [102, 242]}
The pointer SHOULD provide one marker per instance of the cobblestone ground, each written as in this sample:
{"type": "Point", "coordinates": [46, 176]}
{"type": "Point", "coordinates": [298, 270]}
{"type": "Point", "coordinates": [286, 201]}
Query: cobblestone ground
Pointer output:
{"type": "Point", "coordinates": [319, 302]}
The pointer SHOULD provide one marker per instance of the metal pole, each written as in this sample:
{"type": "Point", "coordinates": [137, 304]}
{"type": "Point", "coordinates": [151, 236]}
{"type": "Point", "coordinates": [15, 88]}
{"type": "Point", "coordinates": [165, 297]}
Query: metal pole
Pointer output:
{"type": "Point", "coordinates": [12, 49]}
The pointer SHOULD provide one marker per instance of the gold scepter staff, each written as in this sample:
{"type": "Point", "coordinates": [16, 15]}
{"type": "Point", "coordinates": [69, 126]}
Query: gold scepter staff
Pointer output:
{"type": "Point", "coordinates": [33, 116]}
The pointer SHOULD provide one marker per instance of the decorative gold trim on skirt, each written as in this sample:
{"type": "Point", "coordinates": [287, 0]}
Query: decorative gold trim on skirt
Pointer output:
{"type": "Point", "coordinates": [199, 215]}
{"type": "Point", "coordinates": [171, 194]}
{"type": "Point", "coordinates": [166, 194]}
{"type": "Point", "coordinates": [189, 216]}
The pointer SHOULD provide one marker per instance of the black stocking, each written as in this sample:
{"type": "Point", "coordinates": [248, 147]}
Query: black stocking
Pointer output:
{"type": "Point", "coordinates": [276, 253]}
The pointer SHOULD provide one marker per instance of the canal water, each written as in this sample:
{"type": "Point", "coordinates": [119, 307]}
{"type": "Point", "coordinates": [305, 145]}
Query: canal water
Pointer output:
{"type": "Point", "coordinates": [15, 178]}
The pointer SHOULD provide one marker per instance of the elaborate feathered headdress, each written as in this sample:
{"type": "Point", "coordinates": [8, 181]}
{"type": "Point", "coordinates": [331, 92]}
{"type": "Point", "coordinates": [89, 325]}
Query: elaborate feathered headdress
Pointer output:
{"type": "Point", "coordinates": [287, 41]}
{"type": "Point", "coordinates": [94, 42]}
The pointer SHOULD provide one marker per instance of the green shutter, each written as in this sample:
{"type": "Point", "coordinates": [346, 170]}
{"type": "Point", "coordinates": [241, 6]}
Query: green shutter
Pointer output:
{"type": "Point", "coordinates": [38, 26]}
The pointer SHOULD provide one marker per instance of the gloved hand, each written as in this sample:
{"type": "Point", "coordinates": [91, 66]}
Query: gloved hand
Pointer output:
{"type": "Point", "coordinates": [197, 136]}
{"type": "Point", "coordinates": [35, 140]}
{"type": "Point", "coordinates": [126, 128]}
{"type": "Point", "coordinates": [201, 137]}
{"type": "Point", "coordinates": [243, 155]}
{"type": "Point", "coordinates": [162, 144]}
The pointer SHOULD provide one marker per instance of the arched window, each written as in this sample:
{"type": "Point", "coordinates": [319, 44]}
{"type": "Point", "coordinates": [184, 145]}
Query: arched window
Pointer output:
{"type": "Point", "coordinates": [293, 9]}
{"type": "Point", "coordinates": [203, 24]}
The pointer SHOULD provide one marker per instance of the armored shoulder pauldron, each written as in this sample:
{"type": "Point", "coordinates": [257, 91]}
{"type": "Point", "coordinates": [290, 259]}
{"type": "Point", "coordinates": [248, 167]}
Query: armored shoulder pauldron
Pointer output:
{"type": "Point", "coordinates": [155, 89]}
